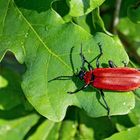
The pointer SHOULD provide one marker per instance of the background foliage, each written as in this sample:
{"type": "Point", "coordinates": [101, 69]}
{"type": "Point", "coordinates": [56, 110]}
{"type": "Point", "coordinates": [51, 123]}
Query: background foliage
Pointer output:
{"type": "Point", "coordinates": [40, 40]}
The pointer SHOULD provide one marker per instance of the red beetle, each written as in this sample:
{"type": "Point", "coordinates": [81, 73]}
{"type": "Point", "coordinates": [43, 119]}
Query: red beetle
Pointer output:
{"type": "Point", "coordinates": [113, 78]}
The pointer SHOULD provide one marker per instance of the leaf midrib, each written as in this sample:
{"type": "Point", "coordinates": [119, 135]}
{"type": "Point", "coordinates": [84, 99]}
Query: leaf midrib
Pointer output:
{"type": "Point", "coordinates": [39, 38]}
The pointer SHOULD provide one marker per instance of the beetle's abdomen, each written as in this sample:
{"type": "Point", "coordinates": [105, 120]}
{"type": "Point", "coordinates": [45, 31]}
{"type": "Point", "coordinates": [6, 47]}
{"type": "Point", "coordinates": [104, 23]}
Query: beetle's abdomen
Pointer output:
{"type": "Point", "coordinates": [117, 79]}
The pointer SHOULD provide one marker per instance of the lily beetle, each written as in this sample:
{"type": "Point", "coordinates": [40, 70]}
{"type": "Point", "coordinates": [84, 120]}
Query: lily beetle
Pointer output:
{"type": "Point", "coordinates": [113, 78]}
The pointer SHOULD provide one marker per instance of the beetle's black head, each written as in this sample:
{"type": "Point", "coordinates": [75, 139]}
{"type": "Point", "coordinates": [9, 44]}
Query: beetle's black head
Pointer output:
{"type": "Point", "coordinates": [81, 74]}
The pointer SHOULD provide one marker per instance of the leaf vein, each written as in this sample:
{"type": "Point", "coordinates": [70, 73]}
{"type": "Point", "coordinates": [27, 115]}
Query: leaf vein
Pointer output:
{"type": "Point", "coordinates": [5, 16]}
{"type": "Point", "coordinates": [39, 38]}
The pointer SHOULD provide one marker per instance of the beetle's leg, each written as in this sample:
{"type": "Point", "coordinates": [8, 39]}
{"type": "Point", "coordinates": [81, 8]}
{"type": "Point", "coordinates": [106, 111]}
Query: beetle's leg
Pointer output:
{"type": "Point", "coordinates": [61, 78]}
{"type": "Point", "coordinates": [77, 90]}
{"type": "Point", "coordinates": [89, 66]}
{"type": "Point", "coordinates": [125, 63]}
{"type": "Point", "coordinates": [98, 57]}
{"type": "Point", "coordinates": [85, 61]}
{"type": "Point", "coordinates": [111, 64]}
{"type": "Point", "coordinates": [107, 107]}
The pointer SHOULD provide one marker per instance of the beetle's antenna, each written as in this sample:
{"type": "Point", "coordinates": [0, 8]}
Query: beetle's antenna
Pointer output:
{"type": "Point", "coordinates": [84, 60]}
{"type": "Point", "coordinates": [71, 60]}
{"type": "Point", "coordinates": [61, 78]}
{"type": "Point", "coordinates": [66, 77]}
{"type": "Point", "coordinates": [98, 57]}
{"type": "Point", "coordinates": [82, 57]}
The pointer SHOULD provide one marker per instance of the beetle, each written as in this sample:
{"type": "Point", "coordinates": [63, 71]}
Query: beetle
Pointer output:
{"type": "Point", "coordinates": [112, 78]}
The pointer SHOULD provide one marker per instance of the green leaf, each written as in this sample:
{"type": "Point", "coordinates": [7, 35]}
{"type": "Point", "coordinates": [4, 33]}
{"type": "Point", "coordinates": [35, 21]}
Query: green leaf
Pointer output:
{"type": "Point", "coordinates": [61, 7]}
{"type": "Point", "coordinates": [134, 12]}
{"type": "Point", "coordinates": [85, 22]}
{"type": "Point", "coordinates": [129, 134]}
{"type": "Point", "coordinates": [76, 126]}
{"type": "Point", "coordinates": [68, 130]}
{"type": "Point", "coordinates": [3, 82]}
{"type": "Point", "coordinates": [12, 38]}
{"type": "Point", "coordinates": [17, 111]}
{"type": "Point", "coordinates": [81, 7]}
{"type": "Point", "coordinates": [44, 41]}
{"type": "Point", "coordinates": [98, 23]}
{"type": "Point", "coordinates": [122, 122]}
{"type": "Point", "coordinates": [124, 7]}
{"type": "Point", "coordinates": [129, 29]}
{"type": "Point", "coordinates": [129, 33]}
{"type": "Point", "coordinates": [11, 94]}
{"type": "Point", "coordinates": [137, 92]}
{"type": "Point", "coordinates": [17, 128]}
{"type": "Point", "coordinates": [92, 22]}
{"type": "Point", "coordinates": [35, 4]}
{"type": "Point", "coordinates": [135, 113]}
{"type": "Point", "coordinates": [49, 130]}
{"type": "Point", "coordinates": [43, 131]}
{"type": "Point", "coordinates": [88, 128]}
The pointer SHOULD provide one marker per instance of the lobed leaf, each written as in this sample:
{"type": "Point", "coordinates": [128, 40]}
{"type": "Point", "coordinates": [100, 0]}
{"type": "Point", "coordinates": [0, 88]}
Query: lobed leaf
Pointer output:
{"type": "Point", "coordinates": [44, 42]}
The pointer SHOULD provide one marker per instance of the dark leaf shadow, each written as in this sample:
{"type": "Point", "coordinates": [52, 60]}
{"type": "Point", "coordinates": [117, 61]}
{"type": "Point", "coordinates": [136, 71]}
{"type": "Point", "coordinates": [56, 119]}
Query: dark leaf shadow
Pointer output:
{"type": "Point", "coordinates": [36, 5]}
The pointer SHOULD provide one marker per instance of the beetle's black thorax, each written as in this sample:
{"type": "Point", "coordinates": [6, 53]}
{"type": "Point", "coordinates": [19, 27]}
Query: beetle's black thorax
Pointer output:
{"type": "Point", "coordinates": [81, 74]}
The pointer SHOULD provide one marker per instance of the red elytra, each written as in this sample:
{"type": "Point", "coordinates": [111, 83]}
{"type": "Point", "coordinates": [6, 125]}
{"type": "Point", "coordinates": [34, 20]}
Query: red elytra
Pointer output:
{"type": "Point", "coordinates": [115, 79]}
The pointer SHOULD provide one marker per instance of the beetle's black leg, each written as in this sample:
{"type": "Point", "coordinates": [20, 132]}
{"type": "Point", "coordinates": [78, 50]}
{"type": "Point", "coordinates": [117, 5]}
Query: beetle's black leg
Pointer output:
{"type": "Point", "coordinates": [98, 57]}
{"type": "Point", "coordinates": [89, 66]}
{"type": "Point", "coordinates": [111, 64]}
{"type": "Point", "coordinates": [125, 63]}
{"type": "Point", "coordinates": [61, 78]}
{"type": "Point", "coordinates": [77, 90]}
{"type": "Point", "coordinates": [85, 61]}
{"type": "Point", "coordinates": [107, 107]}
